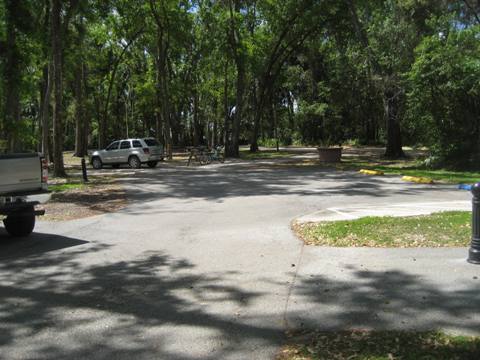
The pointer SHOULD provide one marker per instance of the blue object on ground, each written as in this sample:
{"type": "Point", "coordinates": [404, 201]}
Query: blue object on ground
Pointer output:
{"type": "Point", "coordinates": [465, 187]}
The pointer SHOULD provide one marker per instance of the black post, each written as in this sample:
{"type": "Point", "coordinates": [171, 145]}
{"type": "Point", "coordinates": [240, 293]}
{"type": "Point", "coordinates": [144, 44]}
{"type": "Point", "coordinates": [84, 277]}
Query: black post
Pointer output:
{"type": "Point", "coordinates": [84, 170]}
{"type": "Point", "coordinates": [474, 252]}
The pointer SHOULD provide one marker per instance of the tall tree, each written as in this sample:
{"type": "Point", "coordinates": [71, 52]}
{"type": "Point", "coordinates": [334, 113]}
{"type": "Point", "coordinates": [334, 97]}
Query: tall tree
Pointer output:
{"type": "Point", "coordinates": [57, 54]}
{"type": "Point", "coordinates": [237, 48]}
{"type": "Point", "coordinates": [17, 22]}
{"type": "Point", "coordinates": [160, 14]}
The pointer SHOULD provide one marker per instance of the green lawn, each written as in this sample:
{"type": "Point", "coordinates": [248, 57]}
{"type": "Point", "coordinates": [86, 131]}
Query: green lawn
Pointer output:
{"type": "Point", "coordinates": [66, 186]}
{"type": "Point", "coordinates": [437, 230]}
{"type": "Point", "coordinates": [413, 168]}
{"type": "Point", "coordinates": [76, 182]}
{"type": "Point", "coordinates": [379, 345]}
{"type": "Point", "coordinates": [409, 167]}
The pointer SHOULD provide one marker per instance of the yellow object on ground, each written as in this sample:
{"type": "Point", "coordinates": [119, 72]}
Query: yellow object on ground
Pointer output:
{"type": "Point", "coordinates": [371, 172]}
{"type": "Point", "coordinates": [418, 180]}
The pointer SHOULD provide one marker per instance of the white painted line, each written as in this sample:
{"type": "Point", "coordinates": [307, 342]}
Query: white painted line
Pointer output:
{"type": "Point", "coordinates": [432, 204]}
{"type": "Point", "coordinates": [348, 216]}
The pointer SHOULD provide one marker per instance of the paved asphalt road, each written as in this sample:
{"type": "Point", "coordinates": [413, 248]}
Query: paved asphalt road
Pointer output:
{"type": "Point", "coordinates": [203, 265]}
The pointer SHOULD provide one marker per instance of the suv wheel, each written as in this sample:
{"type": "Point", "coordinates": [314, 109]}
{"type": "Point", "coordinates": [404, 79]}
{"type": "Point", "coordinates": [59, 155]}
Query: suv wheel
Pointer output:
{"type": "Point", "coordinates": [134, 162]}
{"type": "Point", "coordinates": [97, 163]}
{"type": "Point", "coordinates": [152, 164]}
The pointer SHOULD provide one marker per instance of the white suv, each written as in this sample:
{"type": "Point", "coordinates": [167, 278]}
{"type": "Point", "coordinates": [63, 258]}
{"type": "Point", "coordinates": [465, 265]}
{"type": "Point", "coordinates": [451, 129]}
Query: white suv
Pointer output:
{"type": "Point", "coordinates": [133, 152]}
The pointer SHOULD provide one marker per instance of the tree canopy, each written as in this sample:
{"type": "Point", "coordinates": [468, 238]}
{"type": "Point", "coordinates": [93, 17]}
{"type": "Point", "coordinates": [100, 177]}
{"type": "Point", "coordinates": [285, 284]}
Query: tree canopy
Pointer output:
{"type": "Point", "coordinates": [78, 74]}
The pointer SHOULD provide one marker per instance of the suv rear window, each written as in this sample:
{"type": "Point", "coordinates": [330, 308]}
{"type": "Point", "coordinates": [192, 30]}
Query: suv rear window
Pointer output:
{"type": "Point", "coordinates": [137, 144]}
{"type": "Point", "coordinates": [151, 142]}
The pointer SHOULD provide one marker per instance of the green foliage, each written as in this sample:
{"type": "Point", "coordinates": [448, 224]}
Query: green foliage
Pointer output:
{"type": "Point", "coordinates": [444, 99]}
{"type": "Point", "coordinates": [309, 77]}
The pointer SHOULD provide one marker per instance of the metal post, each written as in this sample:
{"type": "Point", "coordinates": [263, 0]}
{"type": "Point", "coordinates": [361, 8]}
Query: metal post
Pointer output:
{"type": "Point", "coordinates": [474, 252]}
{"type": "Point", "coordinates": [84, 170]}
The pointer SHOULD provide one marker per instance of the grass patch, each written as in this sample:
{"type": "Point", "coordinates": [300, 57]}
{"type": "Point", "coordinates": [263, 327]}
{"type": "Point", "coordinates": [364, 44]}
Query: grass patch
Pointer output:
{"type": "Point", "coordinates": [66, 186]}
{"type": "Point", "coordinates": [75, 183]}
{"type": "Point", "coordinates": [413, 168]}
{"type": "Point", "coordinates": [379, 345]}
{"type": "Point", "coordinates": [444, 229]}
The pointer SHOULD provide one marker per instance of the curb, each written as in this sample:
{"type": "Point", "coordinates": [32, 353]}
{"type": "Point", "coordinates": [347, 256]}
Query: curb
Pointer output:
{"type": "Point", "coordinates": [418, 180]}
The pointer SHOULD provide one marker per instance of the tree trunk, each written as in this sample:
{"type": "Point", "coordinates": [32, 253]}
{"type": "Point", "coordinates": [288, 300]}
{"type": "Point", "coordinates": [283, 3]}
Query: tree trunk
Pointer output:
{"type": "Point", "coordinates": [58, 169]}
{"type": "Point", "coordinates": [275, 125]}
{"type": "Point", "coordinates": [235, 146]}
{"type": "Point", "coordinates": [79, 81]}
{"type": "Point", "coordinates": [215, 132]}
{"type": "Point", "coordinates": [12, 77]}
{"type": "Point", "coordinates": [45, 113]}
{"type": "Point", "coordinates": [86, 114]}
{"type": "Point", "coordinates": [162, 114]}
{"type": "Point", "coordinates": [79, 112]}
{"type": "Point", "coordinates": [239, 58]}
{"type": "Point", "coordinates": [226, 130]}
{"type": "Point", "coordinates": [196, 127]}
{"type": "Point", "coordinates": [166, 107]}
{"type": "Point", "coordinates": [160, 16]}
{"type": "Point", "coordinates": [256, 120]}
{"type": "Point", "coordinates": [158, 101]}
{"type": "Point", "coordinates": [394, 141]}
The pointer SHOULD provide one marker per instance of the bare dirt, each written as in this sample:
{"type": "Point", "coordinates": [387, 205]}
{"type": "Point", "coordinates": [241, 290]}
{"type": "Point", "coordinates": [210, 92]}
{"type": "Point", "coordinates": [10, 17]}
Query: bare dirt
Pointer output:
{"type": "Point", "coordinates": [85, 202]}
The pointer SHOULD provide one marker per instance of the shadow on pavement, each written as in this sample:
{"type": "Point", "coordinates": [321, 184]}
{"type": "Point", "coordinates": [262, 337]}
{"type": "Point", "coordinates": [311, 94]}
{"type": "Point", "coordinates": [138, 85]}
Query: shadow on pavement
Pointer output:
{"type": "Point", "coordinates": [35, 244]}
{"type": "Point", "coordinates": [391, 300]}
{"type": "Point", "coordinates": [121, 310]}
{"type": "Point", "coordinates": [248, 180]}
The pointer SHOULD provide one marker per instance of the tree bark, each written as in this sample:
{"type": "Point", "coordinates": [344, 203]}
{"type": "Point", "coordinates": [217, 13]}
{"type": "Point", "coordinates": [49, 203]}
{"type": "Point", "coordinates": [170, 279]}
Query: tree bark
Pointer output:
{"type": "Point", "coordinates": [256, 120]}
{"type": "Point", "coordinates": [235, 144]}
{"type": "Point", "coordinates": [275, 124]}
{"type": "Point", "coordinates": [87, 116]}
{"type": "Point", "coordinates": [79, 81]}
{"type": "Point", "coordinates": [160, 16]}
{"type": "Point", "coordinates": [79, 112]}
{"type": "Point", "coordinates": [45, 112]}
{"type": "Point", "coordinates": [59, 168]}
{"type": "Point", "coordinates": [226, 130]}
{"type": "Point", "coordinates": [239, 58]}
{"type": "Point", "coordinates": [394, 140]}
{"type": "Point", "coordinates": [46, 87]}
{"type": "Point", "coordinates": [12, 76]}
{"type": "Point", "coordinates": [196, 126]}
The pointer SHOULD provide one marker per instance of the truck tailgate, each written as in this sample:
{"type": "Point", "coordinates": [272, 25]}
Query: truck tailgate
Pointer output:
{"type": "Point", "coordinates": [20, 173]}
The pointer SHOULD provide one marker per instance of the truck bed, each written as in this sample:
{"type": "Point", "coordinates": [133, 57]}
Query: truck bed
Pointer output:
{"type": "Point", "coordinates": [20, 174]}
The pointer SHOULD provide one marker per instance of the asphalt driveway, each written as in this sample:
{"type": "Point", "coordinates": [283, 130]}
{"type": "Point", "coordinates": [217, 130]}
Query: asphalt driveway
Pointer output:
{"type": "Point", "coordinates": [203, 265]}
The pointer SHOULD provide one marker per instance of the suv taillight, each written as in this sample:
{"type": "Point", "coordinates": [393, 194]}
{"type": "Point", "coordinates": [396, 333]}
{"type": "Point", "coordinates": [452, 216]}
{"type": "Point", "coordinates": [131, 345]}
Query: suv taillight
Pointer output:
{"type": "Point", "coordinates": [44, 171]}
{"type": "Point", "coordinates": [146, 150]}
